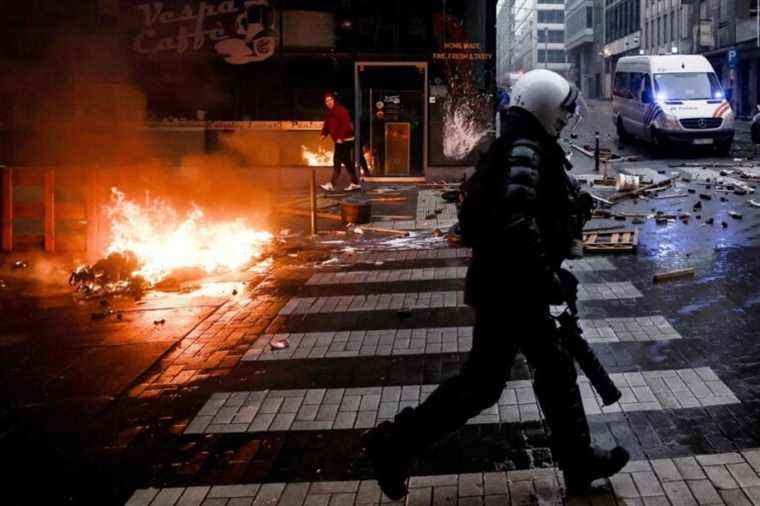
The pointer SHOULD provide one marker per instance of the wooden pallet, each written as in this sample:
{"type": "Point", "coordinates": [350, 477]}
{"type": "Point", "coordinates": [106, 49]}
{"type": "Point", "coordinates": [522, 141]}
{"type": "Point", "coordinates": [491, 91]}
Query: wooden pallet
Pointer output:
{"type": "Point", "coordinates": [611, 241]}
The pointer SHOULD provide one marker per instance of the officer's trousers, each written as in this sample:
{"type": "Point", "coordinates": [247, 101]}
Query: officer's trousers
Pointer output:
{"type": "Point", "coordinates": [497, 337]}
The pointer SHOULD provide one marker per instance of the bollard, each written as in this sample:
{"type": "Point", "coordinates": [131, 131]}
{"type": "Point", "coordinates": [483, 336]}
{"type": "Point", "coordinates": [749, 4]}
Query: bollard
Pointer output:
{"type": "Point", "coordinates": [313, 194]}
{"type": "Point", "coordinates": [596, 152]}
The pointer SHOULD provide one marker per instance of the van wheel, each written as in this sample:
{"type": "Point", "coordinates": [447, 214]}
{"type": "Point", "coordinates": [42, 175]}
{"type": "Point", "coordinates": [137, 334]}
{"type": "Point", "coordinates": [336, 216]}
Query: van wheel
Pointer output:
{"type": "Point", "coordinates": [658, 144]}
{"type": "Point", "coordinates": [622, 134]}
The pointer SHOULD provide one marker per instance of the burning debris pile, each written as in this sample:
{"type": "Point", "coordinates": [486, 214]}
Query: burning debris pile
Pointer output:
{"type": "Point", "coordinates": [151, 242]}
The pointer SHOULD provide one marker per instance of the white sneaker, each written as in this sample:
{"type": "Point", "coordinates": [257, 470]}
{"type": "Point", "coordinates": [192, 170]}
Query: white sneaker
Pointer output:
{"type": "Point", "coordinates": [352, 187]}
{"type": "Point", "coordinates": [328, 187]}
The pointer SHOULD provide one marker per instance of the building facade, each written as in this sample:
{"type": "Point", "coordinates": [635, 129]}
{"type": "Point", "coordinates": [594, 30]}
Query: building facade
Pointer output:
{"type": "Point", "coordinates": [622, 35]}
{"type": "Point", "coordinates": [503, 42]}
{"type": "Point", "coordinates": [417, 77]}
{"type": "Point", "coordinates": [584, 42]}
{"type": "Point", "coordinates": [539, 36]}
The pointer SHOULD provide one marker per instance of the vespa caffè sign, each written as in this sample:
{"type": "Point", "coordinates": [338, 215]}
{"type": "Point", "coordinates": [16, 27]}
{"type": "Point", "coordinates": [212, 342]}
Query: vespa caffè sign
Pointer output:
{"type": "Point", "coordinates": [239, 31]}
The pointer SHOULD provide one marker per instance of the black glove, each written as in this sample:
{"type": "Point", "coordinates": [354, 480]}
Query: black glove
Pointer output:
{"type": "Point", "coordinates": [586, 205]}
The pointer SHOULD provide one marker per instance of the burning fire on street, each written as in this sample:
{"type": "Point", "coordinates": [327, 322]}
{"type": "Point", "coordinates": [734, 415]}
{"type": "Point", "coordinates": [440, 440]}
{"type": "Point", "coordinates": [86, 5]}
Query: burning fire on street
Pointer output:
{"type": "Point", "coordinates": [151, 241]}
{"type": "Point", "coordinates": [320, 158]}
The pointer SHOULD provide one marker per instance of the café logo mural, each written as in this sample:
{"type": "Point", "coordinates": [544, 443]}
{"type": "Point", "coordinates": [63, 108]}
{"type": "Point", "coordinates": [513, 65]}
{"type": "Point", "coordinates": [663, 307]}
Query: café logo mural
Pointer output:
{"type": "Point", "coordinates": [238, 31]}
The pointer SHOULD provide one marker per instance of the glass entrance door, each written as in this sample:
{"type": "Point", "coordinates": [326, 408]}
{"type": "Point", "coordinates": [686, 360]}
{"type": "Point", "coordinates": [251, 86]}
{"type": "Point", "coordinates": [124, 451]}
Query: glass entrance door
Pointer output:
{"type": "Point", "coordinates": [391, 128]}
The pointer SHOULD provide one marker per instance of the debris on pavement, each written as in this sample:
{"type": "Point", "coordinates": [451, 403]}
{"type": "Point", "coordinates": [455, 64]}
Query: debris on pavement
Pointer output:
{"type": "Point", "coordinates": [611, 241]}
{"type": "Point", "coordinates": [112, 274]}
{"type": "Point", "coordinates": [379, 230]}
{"type": "Point", "coordinates": [279, 344]}
{"type": "Point", "coordinates": [675, 274]}
{"type": "Point", "coordinates": [20, 264]}
{"type": "Point", "coordinates": [753, 203]}
{"type": "Point", "coordinates": [735, 215]}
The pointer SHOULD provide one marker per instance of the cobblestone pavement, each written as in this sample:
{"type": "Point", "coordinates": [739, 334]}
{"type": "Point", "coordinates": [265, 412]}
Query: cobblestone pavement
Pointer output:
{"type": "Point", "coordinates": [262, 397]}
{"type": "Point", "coordinates": [346, 347]}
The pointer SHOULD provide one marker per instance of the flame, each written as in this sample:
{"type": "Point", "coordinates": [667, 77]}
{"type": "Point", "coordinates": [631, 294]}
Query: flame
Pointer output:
{"type": "Point", "coordinates": [163, 241]}
{"type": "Point", "coordinates": [320, 158]}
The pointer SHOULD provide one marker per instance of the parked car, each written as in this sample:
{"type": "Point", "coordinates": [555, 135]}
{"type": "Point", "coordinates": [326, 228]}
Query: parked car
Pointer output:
{"type": "Point", "coordinates": [672, 100]}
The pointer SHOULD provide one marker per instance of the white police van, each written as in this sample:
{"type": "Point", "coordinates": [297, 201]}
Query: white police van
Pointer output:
{"type": "Point", "coordinates": [673, 99]}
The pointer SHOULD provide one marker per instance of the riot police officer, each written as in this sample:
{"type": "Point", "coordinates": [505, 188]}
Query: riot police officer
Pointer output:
{"type": "Point", "coordinates": [514, 216]}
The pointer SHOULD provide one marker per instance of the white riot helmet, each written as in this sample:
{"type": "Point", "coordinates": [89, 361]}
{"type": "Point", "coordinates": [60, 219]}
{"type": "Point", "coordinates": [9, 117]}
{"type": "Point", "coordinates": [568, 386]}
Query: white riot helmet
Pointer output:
{"type": "Point", "coordinates": [547, 96]}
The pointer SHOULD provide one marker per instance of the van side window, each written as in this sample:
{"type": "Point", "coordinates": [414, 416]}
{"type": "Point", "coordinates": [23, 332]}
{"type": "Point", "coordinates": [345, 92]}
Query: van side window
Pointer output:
{"type": "Point", "coordinates": [636, 78]}
{"type": "Point", "coordinates": [622, 85]}
{"type": "Point", "coordinates": [647, 85]}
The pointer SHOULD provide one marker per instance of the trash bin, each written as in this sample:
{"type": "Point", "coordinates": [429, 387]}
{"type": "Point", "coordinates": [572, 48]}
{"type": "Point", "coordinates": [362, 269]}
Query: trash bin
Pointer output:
{"type": "Point", "coordinates": [355, 210]}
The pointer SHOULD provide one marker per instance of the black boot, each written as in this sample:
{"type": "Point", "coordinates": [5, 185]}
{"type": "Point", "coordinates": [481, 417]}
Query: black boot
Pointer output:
{"type": "Point", "coordinates": [595, 465]}
{"type": "Point", "coordinates": [390, 457]}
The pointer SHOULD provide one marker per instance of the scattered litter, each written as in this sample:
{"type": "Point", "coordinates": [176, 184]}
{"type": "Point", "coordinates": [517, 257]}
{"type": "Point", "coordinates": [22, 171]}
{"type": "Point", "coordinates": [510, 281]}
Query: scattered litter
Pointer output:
{"type": "Point", "coordinates": [671, 196]}
{"type": "Point", "coordinates": [379, 230]}
{"type": "Point", "coordinates": [735, 215]}
{"type": "Point", "coordinates": [710, 221]}
{"type": "Point", "coordinates": [753, 203]}
{"type": "Point", "coordinates": [102, 315]}
{"type": "Point", "coordinates": [388, 217]}
{"type": "Point", "coordinates": [279, 344]}
{"type": "Point", "coordinates": [676, 274]}
{"type": "Point", "coordinates": [724, 224]}
{"type": "Point", "coordinates": [234, 291]}
{"type": "Point", "coordinates": [691, 190]}
{"type": "Point", "coordinates": [159, 322]}
{"type": "Point", "coordinates": [627, 183]}
{"type": "Point", "coordinates": [600, 199]}
{"type": "Point", "coordinates": [20, 264]}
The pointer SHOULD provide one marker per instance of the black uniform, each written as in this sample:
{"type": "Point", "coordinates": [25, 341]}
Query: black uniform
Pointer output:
{"type": "Point", "coordinates": [514, 216]}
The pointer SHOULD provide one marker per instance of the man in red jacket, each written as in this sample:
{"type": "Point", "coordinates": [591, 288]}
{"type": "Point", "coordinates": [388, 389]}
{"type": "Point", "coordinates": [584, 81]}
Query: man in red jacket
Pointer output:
{"type": "Point", "coordinates": [338, 125]}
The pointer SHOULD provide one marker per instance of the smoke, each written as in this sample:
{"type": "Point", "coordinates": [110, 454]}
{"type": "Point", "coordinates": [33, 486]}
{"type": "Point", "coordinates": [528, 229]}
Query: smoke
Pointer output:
{"type": "Point", "coordinates": [81, 112]}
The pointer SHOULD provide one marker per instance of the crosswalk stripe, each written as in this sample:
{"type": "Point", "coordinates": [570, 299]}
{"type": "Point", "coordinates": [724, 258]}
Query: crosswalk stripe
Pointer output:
{"type": "Point", "coordinates": [731, 477]}
{"type": "Point", "coordinates": [431, 300]}
{"type": "Point", "coordinates": [387, 342]}
{"type": "Point", "coordinates": [361, 408]}
{"type": "Point", "coordinates": [405, 255]}
{"type": "Point", "coordinates": [432, 273]}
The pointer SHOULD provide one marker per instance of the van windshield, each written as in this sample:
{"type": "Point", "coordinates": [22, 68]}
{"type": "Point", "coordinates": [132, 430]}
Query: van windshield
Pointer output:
{"type": "Point", "coordinates": [687, 86]}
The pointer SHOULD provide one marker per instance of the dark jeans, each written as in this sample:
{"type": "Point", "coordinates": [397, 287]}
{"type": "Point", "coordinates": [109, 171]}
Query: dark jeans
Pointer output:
{"type": "Point", "coordinates": [497, 337]}
{"type": "Point", "coordinates": [344, 154]}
